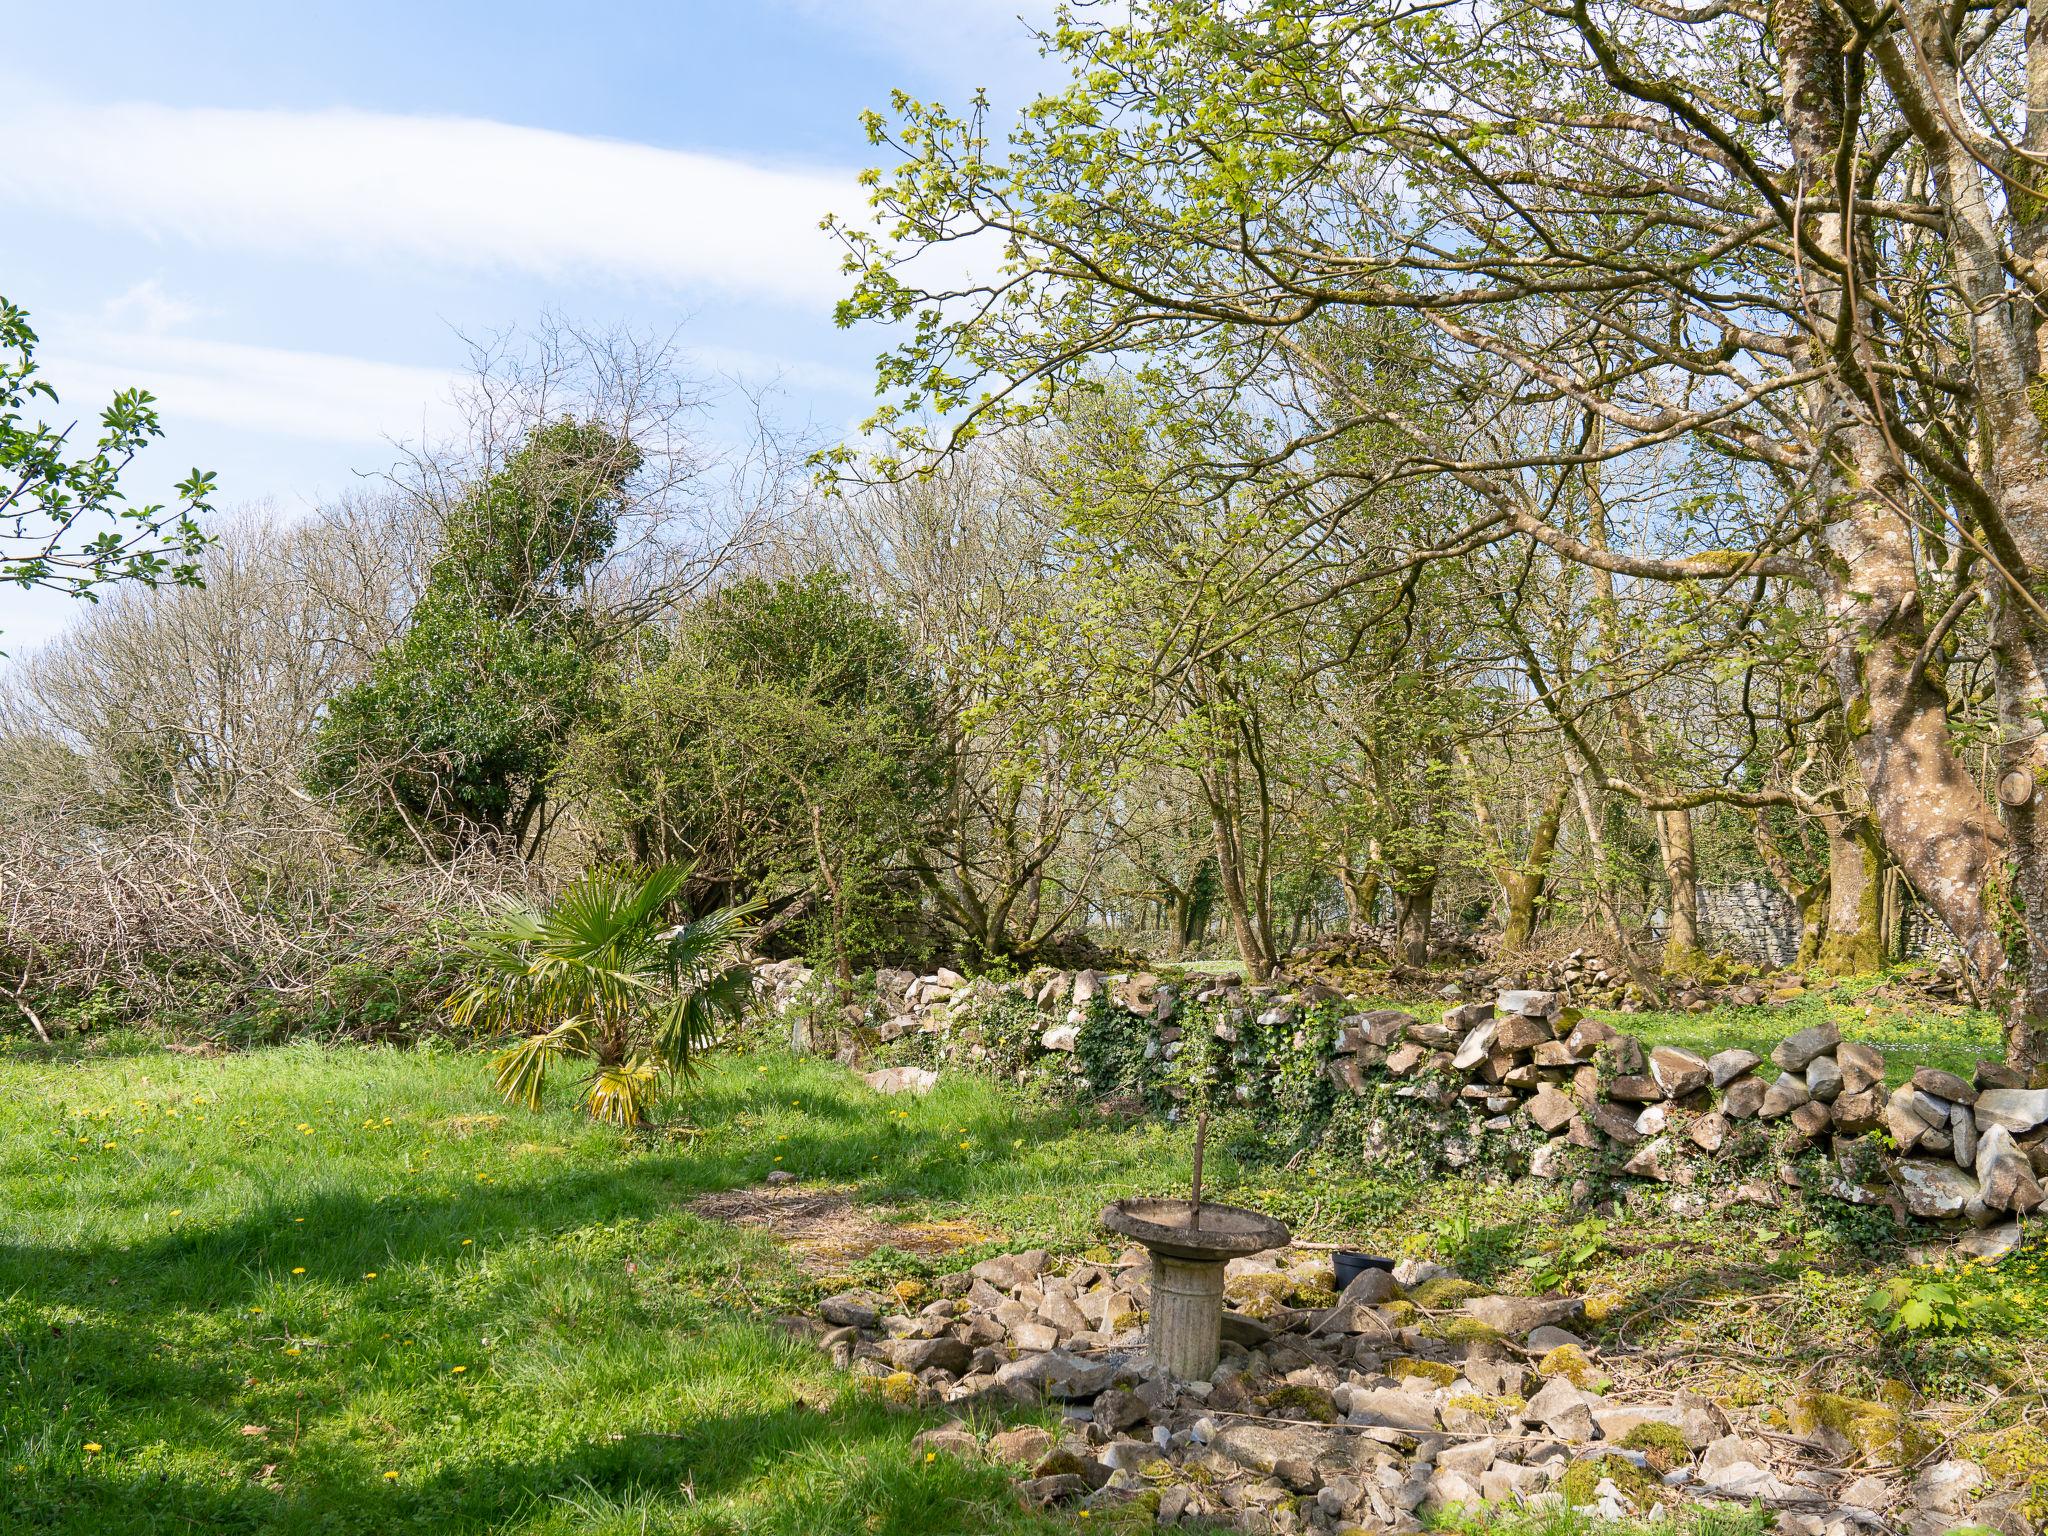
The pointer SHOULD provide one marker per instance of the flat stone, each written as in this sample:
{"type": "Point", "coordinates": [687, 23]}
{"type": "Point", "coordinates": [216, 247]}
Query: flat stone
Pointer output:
{"type": "Point", "coordinates": [1795, 1051]}
{"type": "Point", "coordinates": [1859, 1112]}
{"type": "Point", "coordinates": [1728, 1451]}
{"type": "Point", "coordinates": [1614, 1122]}
{"type": "Point", "coordinates": [1057, 1374]}
{"type": "Point", "coordinates": [952, 1440]}
{"type": "Point", "coordinates": [1812, 1120]}
{"type": "Point", "coordinates": [1906, 1124]}
{"type": "Point", "coordinates": [1869, 1492]}
{"type": "Point", "coordinates": [1679, 1072]}
{"type": "Point", "coordinates": [1709, 1132]}
{"type": "Point", "coordinates": [1302, 1457]}
{"type": "Point", "coordinates": [1744, 1098]}
{"type": "Point", "coordinates": [944, 1353]}
{"type": "Point", "coordinates": [1520, 1315]}
{"type": "Point", "coordinates": [1035, 1337]}
{"type": "Point", "coordinates": [1947, 1486]}
{"type": "Point", "coordinates": [1370, 1288]}
{"type": "Point", "coordinates": [850, 1309]}
{"type": "Point", "coordinates": [892, 1080]}
{"type": "Point", "coordinates": [1027, 1445]}
{"type": "Point", "coordinates": [1474, 1048]}
{"type": "Point", "coordinates": [1962, 1130]}
{"type": "Point", "coordinates": [1635, 1088]}
{"type": "Point", "coordinates": [1724, 1067]}
{"type": "Point", "coordinates": [1944, 1085]}
{"type": "Point", "coordinates": [1543, 1340]}
{"type": "Point", "coordinates": [1550, 1110]}
{"type": "Point", "coordinates": [1516, 1032]}
{"type": "Point", "coordinates": [1824, 1079]}
{"type": "Point", "coordinates": [1557, 1395]}
{"type": "Point", "coordinates": [1007, 1271]}
{"type": "Point", "coordinates": [2019, 1110]}
{"type": "Point", "coordinates": [1992, 1243]}
{"type": "Point", "coordinates": [1392, 1408]}
{"type": "Point", "coordinates": [1747, 1480]}
{"type": "Point", "coordinates": [1862, 1066]}
{"type": "Point", "coordinates": [1783, 1096]}
{"type": "Point", "coordinates": [1934, 1190]}
{"type": "Point", "coordinates": [2005, 1174]}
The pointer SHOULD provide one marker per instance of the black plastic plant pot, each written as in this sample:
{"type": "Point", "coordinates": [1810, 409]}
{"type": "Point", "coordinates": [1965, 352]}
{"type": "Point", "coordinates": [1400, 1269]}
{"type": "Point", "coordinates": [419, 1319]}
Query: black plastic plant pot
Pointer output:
{"type": "Point", "coordinates": [1351, 1265]}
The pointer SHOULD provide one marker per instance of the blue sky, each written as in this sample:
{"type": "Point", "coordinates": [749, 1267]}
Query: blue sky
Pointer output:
{"type": "Point", "coordinates": [282, 218]}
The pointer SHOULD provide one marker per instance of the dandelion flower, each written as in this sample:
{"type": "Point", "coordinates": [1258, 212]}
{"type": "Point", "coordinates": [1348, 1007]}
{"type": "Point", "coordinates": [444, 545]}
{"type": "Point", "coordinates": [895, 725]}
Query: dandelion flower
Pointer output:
{"type": "Point", "coordinates": [179, 1211]}
{"type": "Point", "coordinates": [390, 1477]}
{"type": "Point", "coordinates": [92, 1447]}
{"type": "Point", "coordinates": [369, 1274]}
{"type": "Point", "coordinates": [457, 1370]}
{"type": "Point", "coordinates": [300, 1270]}
{"type": "Point", "coordinates": [467, 1241]}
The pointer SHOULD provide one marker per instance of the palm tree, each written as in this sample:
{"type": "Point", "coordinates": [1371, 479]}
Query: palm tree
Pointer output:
{"type": "Point", "coordinates": [598, 974]}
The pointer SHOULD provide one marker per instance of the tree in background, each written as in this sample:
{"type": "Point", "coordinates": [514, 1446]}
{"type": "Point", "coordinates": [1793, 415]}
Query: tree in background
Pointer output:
{"type": "Point", "coordinates": [780, 737]}
{"type": "Point", "coordinates": [64, 523]}
{"type": "Point", "coordinates": [457, 731]}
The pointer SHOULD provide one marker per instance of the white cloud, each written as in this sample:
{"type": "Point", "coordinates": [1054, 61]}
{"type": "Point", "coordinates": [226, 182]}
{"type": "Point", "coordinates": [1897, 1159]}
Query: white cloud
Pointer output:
{"type": "Point", "coordinates": [316, 395]}
{"type": "Point", "coordinates": [458, 192]}
{"type": "Point", "coordinates": [148, 305]}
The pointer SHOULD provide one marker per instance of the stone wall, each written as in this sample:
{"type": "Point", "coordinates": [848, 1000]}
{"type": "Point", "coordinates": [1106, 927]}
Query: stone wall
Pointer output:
{"type": "Point", "coordinates": [1525, 1065]}
{"type": "Point", "coordinates": [1752, 920]}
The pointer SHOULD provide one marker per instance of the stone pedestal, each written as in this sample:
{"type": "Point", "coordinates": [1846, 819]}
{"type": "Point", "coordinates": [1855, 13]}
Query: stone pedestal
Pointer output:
{"type": "Point", "coordinates": [1188, 1259]}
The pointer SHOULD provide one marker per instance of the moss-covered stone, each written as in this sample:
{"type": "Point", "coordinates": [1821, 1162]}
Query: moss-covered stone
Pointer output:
{"type": "Point", "coordinates": [1570, 1362]}
{"type": "Point", "coordinates": [1404, 1367]}
{"type": "Point", "coordinates": [1258, 1295]}
{"type": "Point", "coordinates": [1399, 1314]}
{"type": "Point", "coordinates": [1444, 1292]}
{"type": "Point", "coordinates": [1300, 1401]}
{"type": "Point", "coordinates": [1462, 1330]}
{"type": "Point", "coordinates": [1879, 1431]}
{"type": "Point", "coordinates": [898, 1388]}
{"type": "Point", "coordinates": [1493, 1408]}
{"type": "Point", "coordinates": [1663, 1446]}
{"type": "Point", "coordinates": [1583, 1478]}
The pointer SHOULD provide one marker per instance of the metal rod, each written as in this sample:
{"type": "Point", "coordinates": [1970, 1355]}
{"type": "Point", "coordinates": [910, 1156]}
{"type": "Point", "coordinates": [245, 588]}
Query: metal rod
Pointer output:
{"type": "Point", "coordinates": [1201, 1140]}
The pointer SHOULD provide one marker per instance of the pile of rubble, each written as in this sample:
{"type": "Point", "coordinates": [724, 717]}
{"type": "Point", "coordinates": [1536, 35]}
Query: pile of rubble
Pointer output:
{"type": "Point", "coordinates": [1527, 1062]}
{"type": "Point", "coordinates": [1406, 1393]}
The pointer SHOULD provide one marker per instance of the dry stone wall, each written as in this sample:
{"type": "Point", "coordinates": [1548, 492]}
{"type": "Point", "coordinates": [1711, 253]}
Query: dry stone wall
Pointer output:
{"type": "Point", "coordinates": [1524, 1067]}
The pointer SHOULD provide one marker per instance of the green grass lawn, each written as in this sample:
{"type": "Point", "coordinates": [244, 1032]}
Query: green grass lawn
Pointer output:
{"type": "Point", "coordinates": [449, 1323]}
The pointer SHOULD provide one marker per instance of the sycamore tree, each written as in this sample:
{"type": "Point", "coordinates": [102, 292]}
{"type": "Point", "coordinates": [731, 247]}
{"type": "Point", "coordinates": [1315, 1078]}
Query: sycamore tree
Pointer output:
{"type": "Point", "coordinates": [1806, 238]}
{"type": "Point", "coordinates": [65, 524]}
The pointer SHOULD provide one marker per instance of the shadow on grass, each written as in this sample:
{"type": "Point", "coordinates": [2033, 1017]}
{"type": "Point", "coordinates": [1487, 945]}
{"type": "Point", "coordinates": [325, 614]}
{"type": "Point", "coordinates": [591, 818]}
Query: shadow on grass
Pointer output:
{"type": "Point", "coordinates": [784, 1470]}
{"type": "Point", "coordinates": [154, 1345]}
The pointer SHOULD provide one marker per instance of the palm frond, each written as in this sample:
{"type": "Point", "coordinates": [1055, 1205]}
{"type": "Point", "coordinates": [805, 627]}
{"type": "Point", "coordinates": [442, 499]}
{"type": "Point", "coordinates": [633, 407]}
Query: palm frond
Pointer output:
{"type": "Point", "coordinates": [520, 1070]}
{"type": "Point", "coordinates": [695, 1015]}
{"type": "Point", "coordinates": [619, 1095]}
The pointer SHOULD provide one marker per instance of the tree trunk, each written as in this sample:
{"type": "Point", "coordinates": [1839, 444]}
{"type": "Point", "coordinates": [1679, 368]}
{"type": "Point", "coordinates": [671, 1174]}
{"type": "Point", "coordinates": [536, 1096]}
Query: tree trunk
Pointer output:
{"type": "Point", "coordinates": [1258, 963]}
{"type": "Point", "coordinates": [1413, 898]}
{"type": "Point", "coordinates": [1854, 941]}
{"type": "Point", "coordinates": [1928, 811]}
